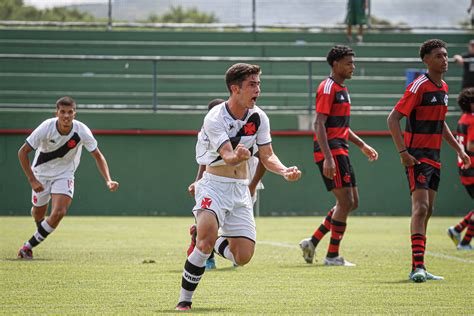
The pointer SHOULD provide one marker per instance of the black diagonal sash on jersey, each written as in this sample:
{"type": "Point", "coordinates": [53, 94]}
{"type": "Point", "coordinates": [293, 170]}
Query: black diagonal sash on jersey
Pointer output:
{"type": "Point", "coordinates": [60, 152]}
{"type": "Point", "coordinates": [250, 128]}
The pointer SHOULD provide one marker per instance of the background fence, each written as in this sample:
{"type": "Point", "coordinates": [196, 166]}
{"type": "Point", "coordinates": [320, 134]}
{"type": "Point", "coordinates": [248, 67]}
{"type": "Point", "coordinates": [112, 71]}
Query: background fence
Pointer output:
{"type": "Point", "coordinates": [266, 13]}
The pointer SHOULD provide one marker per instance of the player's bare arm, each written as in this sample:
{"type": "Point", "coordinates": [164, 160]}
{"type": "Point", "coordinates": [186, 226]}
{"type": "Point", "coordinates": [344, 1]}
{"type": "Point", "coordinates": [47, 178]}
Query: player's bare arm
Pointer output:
{"type": "Point", "coordinates": [273, 164]}
{"type": "Point", "coordinates": [449, 138]}
{"type": "Point", "coordinates": [25, 165]}
{"type": "Point", "coordinates": [329, 165]}
{"type": "Point", "coordinates": [104, 170]}
{"type": "Point", "coordinates": [393, 122]}
{"type": "Point", "coordinates": [234, 168]}
{"type": "Point", "coordinates": [367, 150]}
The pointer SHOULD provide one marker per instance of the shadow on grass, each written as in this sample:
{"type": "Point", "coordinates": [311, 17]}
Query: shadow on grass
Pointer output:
{"type": "Point", "coordinates": [27, 260]}
{"type": "Point", "coordinates": [202, 310]}
{"type": "Point", "coordinates": [211, 271]}
{"type": "Point", "coordinates": [398, 281]}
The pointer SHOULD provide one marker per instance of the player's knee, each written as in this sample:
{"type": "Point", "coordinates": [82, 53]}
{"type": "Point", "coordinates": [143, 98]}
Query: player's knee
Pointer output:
{"type": "Point", "coordinates": [421, 209]}
{"type": "Point", "coordinates": [355, 204]}
{"type": "Point", "coordinates": [58, 213]}
{"type": "Point", "coordinates": [205, 245]}
{"type": "Point", "coordinates": [242, 258]}
{"type": "Point", "coordinates": [347, 204]}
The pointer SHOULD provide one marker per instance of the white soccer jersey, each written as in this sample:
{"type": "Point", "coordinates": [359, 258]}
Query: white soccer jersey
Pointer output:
{"type": "Point", "coordinates": [57, 155]}
{"type": "Point", "coordinates": [220, 127]}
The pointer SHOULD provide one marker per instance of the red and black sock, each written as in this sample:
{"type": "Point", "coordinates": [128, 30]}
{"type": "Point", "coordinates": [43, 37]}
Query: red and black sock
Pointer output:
{"type": "Point", "coordinates": [463, 223]}
{"type": "Point", "coordinates": [418, 251]}
{"type": "Point", "coordinates": [323, 229]}
{"type": "Point", "coordinates": [337, 232]}
{"type": "Point", "coordinates": [468, 236]}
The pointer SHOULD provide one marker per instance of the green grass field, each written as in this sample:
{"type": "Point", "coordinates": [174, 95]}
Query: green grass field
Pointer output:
{"type": "Point", "coordinates": [96, 265]}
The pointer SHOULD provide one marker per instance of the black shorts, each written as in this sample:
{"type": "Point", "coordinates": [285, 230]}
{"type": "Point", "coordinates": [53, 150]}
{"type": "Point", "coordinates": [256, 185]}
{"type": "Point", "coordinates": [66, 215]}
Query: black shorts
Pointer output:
{"type": "Point", "coordinates": [423, 176]}
{"type": "Point", "coordinates": [344, 177]}
{"type": "Point", "coordinates": [470, 190]}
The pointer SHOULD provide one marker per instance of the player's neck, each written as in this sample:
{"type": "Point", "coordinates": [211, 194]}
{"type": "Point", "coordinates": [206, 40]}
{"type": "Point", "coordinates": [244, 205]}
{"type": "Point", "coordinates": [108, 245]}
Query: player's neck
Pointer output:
{"type": "Point", "coordinates": [338, 79]}
{"type": "Point", "coordinates": [63, 130]}
{"type": "Point", "coordinates": [436, 77]}
{"type": "Point", "coordinates": [236, 110]}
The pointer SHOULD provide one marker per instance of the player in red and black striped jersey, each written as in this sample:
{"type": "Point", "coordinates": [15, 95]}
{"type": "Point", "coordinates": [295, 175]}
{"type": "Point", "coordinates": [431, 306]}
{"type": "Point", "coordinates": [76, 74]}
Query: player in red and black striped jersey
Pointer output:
{"type": "Point", "coordinates": [465, 136]}
{"type": "Point", "coordinates": [425, 105]}
{"type": "Point", "coordinates": [331, 153]}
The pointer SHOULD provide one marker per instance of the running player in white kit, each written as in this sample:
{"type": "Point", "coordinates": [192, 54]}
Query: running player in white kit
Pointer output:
{"type": "Point", "coordinates": [222, 196]}
{"type": "Point", "coordinates": [58, 144]}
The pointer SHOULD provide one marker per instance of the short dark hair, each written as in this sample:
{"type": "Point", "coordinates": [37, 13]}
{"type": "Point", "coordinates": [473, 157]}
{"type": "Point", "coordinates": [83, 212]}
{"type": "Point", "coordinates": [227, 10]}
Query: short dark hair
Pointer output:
{"type": "Point", "coordinates": [429, 45]}
{"type": "Point", "coordinates": [66, 101]}
{"type": "Point", "coordinates": [237, 73]}
{"type": "Point", "coordinates": [214, 102]}
{"type": "Point", "coordinates": [465, 99]}
{"type": "Point", "coordinates": [338, 52]}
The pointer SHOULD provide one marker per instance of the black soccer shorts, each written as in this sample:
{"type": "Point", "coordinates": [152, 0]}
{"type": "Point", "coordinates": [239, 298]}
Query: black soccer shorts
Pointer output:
{"type": "Point", "coordinates": [344, 177]}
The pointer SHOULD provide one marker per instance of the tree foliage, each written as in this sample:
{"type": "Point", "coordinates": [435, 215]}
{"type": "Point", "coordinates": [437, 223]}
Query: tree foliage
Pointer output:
{"type": "Point", "coordinates": [17, 10]}
{"type": "Point", "coordinates": [179, 14]}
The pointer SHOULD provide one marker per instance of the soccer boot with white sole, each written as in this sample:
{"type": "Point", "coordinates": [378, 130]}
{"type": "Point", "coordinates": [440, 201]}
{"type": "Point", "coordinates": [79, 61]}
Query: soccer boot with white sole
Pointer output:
{"type": "Point", "coordinates": [429, 276]}
{"type": "Point", "coordinates": [419, 275]}
{"type": "Point", "coordinates": [338, 261]}
{"type": "Point", "coordinates": [454, 235]}
{"type": "Point", "coordinates": [308, 250]}
{"type": "Point", "coordinates": [464, 247]}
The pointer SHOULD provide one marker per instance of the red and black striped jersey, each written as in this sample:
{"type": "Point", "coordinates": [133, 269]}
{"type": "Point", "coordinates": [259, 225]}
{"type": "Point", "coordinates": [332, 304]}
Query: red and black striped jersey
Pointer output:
{"type": "Point", "coordinates": [465, 134]}
{"type": "Point", "coordinates": [333, 100]}
{"type": "Point", "coordinates": [425, 105]}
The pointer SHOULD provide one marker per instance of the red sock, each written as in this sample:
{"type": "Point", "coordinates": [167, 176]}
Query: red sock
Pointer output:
{"type": "Point", "coordinates": [463, 224]}
{"type": "Point", "coordinates": [323, 229]}
{"type": "Point", "coordinates": [468, 236]}
{"type": "Point", "coordinates": [418, 251]}
{"type": "Point", "coordinates": [337, 232]}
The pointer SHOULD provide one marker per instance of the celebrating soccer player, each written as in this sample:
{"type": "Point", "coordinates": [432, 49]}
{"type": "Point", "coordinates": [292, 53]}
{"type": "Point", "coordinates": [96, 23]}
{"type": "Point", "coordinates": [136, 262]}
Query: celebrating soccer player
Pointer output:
{"type": "Point", "coordinates": [222, 195]}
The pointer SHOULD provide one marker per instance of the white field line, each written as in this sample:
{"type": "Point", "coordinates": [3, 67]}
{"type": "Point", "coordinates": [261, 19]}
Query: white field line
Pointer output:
{"type": "Point", "coordinates": [433, 254]}
{"type": "Point", "coordinates": [278, 244]}
{"type": "Point", "coordinates": [442, 255]}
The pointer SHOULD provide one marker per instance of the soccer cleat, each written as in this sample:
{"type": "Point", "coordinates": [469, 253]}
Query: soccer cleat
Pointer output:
{"type": "Point", "coordinates": [193, 233]}
{"type": "Point", "coordinates": [308, 250]}
{"type": "Point", "coordinates": [432, 277]}
{"type": "Point", "coordinates": [210, 264]}
{"type": "Point", "coordinates": [429, 276]}
{"type": "Point", "coordinates": [183, 306]}
{"type": "Point", "coordinates": [338, 261]}
{"type": "Point", "coordinates": [25, 253]}
{"type": "Point", "coordinates": [419, 275]}
{"type": "Point", "coordinates": [464, 247]}
{"type": "Point", "coordinates": [454, 235]}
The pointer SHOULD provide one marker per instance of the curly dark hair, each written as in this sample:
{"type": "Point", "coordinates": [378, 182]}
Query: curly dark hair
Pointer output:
{"type": "Point", "coordinates": [429, 45]}
{"type": "Point", "coordinates": [338, 52]}
{"type": "Point", "coordinates": [465, 99]}
{"type": "Point", "coordinates": [237, 73]}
